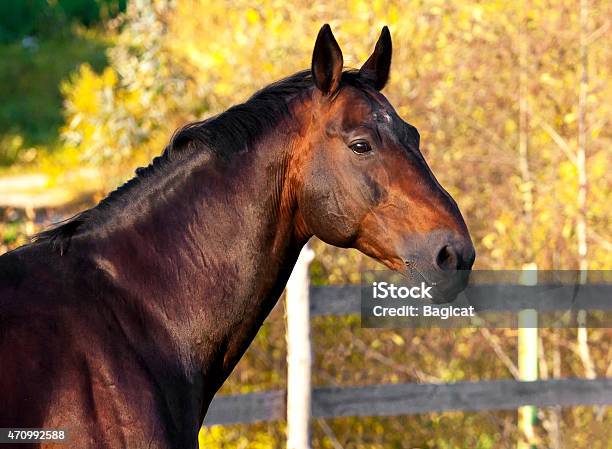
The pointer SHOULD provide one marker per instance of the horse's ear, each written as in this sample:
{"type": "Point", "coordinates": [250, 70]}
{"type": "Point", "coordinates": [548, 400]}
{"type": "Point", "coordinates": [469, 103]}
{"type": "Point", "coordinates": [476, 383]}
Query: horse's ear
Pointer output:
{"type": "Point", "coordinates": [326, 62]}
{"type": "Point", "coordinates": [376, 68]}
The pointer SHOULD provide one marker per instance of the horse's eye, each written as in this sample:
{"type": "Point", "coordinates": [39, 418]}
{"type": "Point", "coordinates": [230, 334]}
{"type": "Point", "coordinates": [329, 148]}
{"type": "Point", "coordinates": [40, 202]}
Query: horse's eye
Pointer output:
{"type": "Point", "coordinates": [360, 147]}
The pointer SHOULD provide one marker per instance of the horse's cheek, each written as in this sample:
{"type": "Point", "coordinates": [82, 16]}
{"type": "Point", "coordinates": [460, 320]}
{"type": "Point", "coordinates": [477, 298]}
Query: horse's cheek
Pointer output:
{"type": "Point", "coordinates": [330, 214]}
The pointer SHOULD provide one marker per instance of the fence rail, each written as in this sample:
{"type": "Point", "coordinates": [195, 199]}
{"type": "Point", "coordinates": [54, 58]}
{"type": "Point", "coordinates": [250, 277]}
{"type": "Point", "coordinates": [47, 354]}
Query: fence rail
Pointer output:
{"type": "Point", "coordinates": [341, 300]}
{"type": "Point", "coordinates": [406, 399]}
{"type": "Point", "coordinates": [410, 398]}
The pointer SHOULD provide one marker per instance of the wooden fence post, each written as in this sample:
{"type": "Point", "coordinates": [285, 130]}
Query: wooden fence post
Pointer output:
{"type": "Point", "coordinates": [299, 354]}
{"type": "Point", "coordinates": [527, 360]}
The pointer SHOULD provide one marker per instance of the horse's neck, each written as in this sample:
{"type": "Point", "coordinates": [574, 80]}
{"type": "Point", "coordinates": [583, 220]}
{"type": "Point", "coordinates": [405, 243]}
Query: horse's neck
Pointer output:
{"type": "Point", "coordinates": [210, 260]}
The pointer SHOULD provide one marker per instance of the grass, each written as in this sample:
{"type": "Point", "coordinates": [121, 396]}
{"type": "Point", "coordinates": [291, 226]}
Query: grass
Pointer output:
{"type": "Point", "coordinates": [30, 77]}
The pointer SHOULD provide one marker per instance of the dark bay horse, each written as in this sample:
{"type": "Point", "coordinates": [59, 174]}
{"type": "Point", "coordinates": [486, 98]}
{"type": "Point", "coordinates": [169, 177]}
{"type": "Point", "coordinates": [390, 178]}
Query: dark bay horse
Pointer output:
{"type": "Point", "coordinates": [121, 323]}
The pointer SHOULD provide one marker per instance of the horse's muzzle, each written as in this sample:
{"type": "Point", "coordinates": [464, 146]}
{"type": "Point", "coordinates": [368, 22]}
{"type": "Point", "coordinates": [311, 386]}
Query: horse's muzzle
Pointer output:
{"type": "Point", "coordinates": [443, 259]}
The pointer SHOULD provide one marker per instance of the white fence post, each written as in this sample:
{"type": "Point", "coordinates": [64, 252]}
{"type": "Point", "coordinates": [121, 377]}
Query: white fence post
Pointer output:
{"type": "Point", "coordinates": [528, 360]}
{"type": "Point", "coordinates": [299, 353]}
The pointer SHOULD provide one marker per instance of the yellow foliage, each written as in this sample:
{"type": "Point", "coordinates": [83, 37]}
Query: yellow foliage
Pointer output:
{"type": "Point", "coordinates": [227, 437]}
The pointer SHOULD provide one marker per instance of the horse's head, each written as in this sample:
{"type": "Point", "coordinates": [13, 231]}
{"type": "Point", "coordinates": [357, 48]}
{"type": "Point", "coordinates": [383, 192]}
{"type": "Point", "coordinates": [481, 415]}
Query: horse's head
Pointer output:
{"type": "Point", "coordinates": [366, 185]}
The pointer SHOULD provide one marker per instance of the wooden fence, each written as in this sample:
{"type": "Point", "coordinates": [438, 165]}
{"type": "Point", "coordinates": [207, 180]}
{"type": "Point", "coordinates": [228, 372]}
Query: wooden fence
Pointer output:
{"type": "Point", "coordinates": [405, 399]}
{"type": "Point", "coordinates": [410, 398]}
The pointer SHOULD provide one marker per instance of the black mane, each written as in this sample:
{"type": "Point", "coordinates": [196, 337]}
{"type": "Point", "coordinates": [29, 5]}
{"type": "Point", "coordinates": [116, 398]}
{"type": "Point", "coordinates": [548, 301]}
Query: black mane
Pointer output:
{"type": "Point", "coordinates": [229, 132]}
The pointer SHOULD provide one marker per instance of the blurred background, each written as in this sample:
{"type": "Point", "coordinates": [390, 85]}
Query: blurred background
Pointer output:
{"type": "Point", "coordinates": [513, 101]}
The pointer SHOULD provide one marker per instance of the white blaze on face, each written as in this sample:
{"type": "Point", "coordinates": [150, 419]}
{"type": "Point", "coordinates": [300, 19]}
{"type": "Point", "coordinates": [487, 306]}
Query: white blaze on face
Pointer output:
{"type": "Point", "coordinates": [382, 116]}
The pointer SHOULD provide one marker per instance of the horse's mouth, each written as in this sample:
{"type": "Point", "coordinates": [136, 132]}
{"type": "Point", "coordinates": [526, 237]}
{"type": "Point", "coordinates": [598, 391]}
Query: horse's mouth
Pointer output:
{"type": "Point", "coordinates": [445, 286]}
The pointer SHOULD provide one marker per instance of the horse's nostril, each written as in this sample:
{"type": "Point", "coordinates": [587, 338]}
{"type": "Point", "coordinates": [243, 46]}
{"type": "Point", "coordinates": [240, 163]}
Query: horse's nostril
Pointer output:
{"type": "Point", "coordinates": [446, 259]}
{"type": "Point", "coordinates": [470, 258]}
